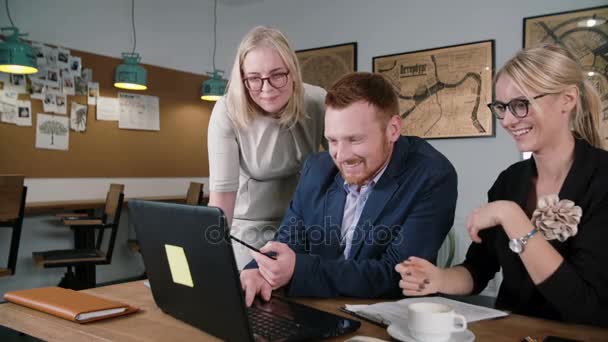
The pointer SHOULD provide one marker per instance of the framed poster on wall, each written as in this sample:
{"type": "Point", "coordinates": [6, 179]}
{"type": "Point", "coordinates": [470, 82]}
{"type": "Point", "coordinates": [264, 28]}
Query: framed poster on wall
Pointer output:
{"type": "Point", "coordinates": [324, 65]}
{"type": "Point", "coordinates": [443, 91]}
{"type": "Point", "coordinates": [585, 34]}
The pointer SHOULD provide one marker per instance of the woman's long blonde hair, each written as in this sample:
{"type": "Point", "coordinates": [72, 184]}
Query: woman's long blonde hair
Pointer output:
{"type": "Point", "coordinates": [238, 101]}
{"type": "Point", "coordinates": [552, 69]}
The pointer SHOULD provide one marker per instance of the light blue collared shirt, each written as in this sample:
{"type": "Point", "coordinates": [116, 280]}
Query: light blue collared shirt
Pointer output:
{"type": "Point", "coordinates": [355, 202]}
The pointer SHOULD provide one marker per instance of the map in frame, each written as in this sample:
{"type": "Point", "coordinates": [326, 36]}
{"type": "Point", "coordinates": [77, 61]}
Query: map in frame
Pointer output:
{"type": "Point", "coordinates": [324, 65]}
{"type": "Point", "coordinates": [443, 92]}
{"type": "Point", "coordinates": [585, 34]}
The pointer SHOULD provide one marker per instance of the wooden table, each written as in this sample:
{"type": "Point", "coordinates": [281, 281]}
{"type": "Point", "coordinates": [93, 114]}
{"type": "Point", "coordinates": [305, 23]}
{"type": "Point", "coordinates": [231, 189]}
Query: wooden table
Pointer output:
{"type": "Point", "coordinates": [33, 208]}
{"type": "Point", "coordinates": [152, 325]}
{"type": "Point", "coordinates": [84, 237]}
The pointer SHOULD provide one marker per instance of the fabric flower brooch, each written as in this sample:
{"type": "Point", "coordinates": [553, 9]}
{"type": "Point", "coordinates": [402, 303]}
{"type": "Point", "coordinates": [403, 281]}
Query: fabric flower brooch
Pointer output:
{"type": "Point", "coordinates": [555, 218]}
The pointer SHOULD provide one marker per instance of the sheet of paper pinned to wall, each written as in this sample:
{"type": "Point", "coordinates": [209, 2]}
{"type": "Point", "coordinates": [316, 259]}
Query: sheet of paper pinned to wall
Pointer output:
{"type": "Point", "coordinates": [18, 83]}
{"type": "Point", "coordinates": [93, 93]}
{"type": "Point", "coordinates": [8, 106]}
{"type": "Point", "coordinates": [108, 108]}
{"type": "Point", "coordinates": [52, 132]}
{"type": "Point", "coordinates": [139, 112]}
{"type": "Point", "coordinates": [78, 117]}
{"type": "Point", "coordinates": [24, 113]}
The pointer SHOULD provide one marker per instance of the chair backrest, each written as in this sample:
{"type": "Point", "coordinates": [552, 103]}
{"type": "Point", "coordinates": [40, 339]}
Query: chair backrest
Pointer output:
{"type": "Point", "coordinates": [114, 230]}
{"type": "Point", "coordinates": [12, 208]}
{"type": "Point", "coordinates": [11, 189]}
{"type": "Point", "coordinates": [113, 209]}
{"type": "Point", "coordinates": [112, 200]}
{"type": "Point", "coordinates": [445, 256]}
{"type": "Point", "coordinates": [195, 193]}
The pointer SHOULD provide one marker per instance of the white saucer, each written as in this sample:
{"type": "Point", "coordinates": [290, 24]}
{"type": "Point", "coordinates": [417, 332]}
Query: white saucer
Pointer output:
{"type": "Point", "coordinates": [401, 334]}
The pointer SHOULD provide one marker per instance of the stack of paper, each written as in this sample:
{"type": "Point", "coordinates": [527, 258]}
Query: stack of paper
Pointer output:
{"type": "Point", "coordinates": [387, 313]}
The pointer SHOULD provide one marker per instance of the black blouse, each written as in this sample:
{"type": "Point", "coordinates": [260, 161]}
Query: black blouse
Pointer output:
{"type": "Point", "coordinates": [578, 290]}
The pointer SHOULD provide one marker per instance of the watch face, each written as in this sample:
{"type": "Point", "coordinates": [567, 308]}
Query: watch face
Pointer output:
{"type": "Point", "coordinates": [516, 246]}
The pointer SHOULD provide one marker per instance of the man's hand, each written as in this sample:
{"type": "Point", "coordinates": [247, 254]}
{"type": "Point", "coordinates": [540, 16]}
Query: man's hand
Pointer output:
{"type": "Point", "coordinates": [277, 272]}
{"type": "Point", "coordinates": [254, 284]}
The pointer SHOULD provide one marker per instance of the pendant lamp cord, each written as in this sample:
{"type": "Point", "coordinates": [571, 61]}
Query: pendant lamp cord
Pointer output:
{"type": "Point", "coordinates": [214, 30]}
{"type": "Point", "coordinates": [9, 13]}
{"type": "Point", "coordinates": [133, 23]}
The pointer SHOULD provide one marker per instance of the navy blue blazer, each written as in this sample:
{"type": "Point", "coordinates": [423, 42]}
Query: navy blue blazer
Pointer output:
{"type": "Point", "coordinates": [408, 213]}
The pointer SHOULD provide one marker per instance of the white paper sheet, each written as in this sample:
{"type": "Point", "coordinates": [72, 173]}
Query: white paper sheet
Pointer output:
{"type": "Point", "coordinates": [38, 88]}
{"type": "Point", "coordinates": [53, 77]}
{"type": "Point", "coordinates": [139, 112]}
{"type": "Point", "coordinates": [78, 117]}
{"type": "Point", "coordinates": [391, 312]}
{"type": "Point", "coordinates": [68, 85]}
{"type": "Point", "coordinates": [51, 55]}
{"type": "Point", "coordinates": [48, 104]}
{"type": "Point", "coordinates": [108, 108]}
{"type": "Point", "coordinates": [9, 97]}
{"type": "Point", "coordinates": [52, 132]}
{"type": "Point", "coordinates": [93, 93]}
{"type": "Point", "coordinates": [18, 83]}
{"type": "Point", "coordinates": [63, 56]}
{"type": "Point", "coordinates": [8, 114]}
{"type": "Point", "coordinates": [81, 82]}
{"type": "Point", "coordinates": [24, 113]}
{"type": "Point", "coordinates": [40, 51]}
{"type": "Point", "coordinates": [61, 104]}
{"type": "Point", "coordinates": [75, 65]}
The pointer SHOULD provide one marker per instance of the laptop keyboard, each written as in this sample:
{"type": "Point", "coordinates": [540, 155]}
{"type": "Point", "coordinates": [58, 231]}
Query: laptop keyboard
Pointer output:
{"type": "Point", "coordinates": [269, 326]}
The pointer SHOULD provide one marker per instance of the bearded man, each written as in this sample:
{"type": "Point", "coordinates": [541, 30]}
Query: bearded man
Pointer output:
{"type": "Point", "coordinates": [373, 200]}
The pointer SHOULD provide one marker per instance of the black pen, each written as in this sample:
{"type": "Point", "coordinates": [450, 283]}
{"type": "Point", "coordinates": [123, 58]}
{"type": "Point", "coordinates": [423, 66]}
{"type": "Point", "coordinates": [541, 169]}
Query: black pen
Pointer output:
{"type": "Point", "coordinates": [270, 255]}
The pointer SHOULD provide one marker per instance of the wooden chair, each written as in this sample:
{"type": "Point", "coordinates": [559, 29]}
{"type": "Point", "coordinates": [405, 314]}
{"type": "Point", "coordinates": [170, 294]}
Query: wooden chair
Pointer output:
{"type": "Point", "coordinates": [12, 205]}
{"type": "Point", "coordinates": [88, 250]}
{"type": "Point", "coordinates": [194, 196]}
{"type": "Point", "coordinates": [195, 193]}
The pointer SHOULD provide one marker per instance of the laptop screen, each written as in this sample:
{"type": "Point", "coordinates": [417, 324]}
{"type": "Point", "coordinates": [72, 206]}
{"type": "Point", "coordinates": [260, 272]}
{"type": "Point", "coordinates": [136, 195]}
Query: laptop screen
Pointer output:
{"type": "Point", "coordinates": [194, 277]}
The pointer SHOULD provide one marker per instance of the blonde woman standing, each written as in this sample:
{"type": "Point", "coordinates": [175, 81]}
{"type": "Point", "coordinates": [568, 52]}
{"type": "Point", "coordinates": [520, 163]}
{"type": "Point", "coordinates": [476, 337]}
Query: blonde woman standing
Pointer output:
{"type": "Point", "coordinates": [259, 134]}
{"type": "Point", "coordinates": [546, 223]}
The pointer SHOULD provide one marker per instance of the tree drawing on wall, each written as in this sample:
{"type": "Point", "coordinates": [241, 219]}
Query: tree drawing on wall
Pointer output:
{"type": "Point", "coordinates": [53, 128]}
{"type": "Point", "coordinates": [81, 118]}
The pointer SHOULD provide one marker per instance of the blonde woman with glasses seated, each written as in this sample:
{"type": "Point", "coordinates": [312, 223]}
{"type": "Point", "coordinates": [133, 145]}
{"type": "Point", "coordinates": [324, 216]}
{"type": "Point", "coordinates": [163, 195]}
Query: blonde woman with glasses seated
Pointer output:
{"type": "Point", "coordinates": [259, 134]}
{"type": "Point", "coordinates": [546, 223]}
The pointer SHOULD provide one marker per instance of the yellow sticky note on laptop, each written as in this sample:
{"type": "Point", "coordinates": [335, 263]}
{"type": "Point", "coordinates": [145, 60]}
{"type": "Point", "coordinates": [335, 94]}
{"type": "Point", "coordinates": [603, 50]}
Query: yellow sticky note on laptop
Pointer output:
{"type": "Point", "coordinates": [178, 264]}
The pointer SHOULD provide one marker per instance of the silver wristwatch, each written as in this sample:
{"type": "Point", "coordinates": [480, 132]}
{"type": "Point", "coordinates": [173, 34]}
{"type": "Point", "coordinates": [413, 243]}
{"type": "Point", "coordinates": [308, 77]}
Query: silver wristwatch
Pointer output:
{"type": "Point", "coordinates": [517, 245]}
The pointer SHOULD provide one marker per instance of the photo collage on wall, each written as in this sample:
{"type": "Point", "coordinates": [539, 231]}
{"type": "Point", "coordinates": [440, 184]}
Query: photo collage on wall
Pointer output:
{"type": "Point", "coordinates": [59, 76]}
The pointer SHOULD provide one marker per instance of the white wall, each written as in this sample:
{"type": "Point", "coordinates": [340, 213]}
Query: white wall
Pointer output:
{"type": "Point", "coordinates": [65, 189]}
{"type": "Point", "coordinates": [177, 34]}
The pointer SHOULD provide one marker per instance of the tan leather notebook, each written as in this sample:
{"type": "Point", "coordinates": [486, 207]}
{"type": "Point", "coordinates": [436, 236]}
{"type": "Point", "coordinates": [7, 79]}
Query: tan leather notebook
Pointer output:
{"type": "Point", "coordinates": [69, 304]}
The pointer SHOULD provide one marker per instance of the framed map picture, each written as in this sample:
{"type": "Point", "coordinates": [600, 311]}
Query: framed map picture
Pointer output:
{"type": "Point", "coordinates": [325, 65]}
{"type": "Point", "coordinates": [585, 34]}
{"type": "Point", "coordinates": [443, 92]}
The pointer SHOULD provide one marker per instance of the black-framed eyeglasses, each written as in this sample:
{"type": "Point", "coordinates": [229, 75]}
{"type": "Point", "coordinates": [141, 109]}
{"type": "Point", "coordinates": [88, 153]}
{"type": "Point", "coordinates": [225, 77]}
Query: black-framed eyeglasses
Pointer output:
{"type": "Point", "coordinates": [517, 107]}
{"type": "Point", "coordinates": [276, 80]}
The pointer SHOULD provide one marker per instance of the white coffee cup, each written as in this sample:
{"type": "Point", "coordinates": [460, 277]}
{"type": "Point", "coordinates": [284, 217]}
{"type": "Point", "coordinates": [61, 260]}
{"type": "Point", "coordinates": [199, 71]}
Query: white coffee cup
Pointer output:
{"type": "Point", "coordinates": [433, 322]}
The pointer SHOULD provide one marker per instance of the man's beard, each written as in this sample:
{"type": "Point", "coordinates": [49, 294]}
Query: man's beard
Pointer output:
{"type": "Point", "coordinates": [355, 179]}
{"type": "Point", "coordinates": [366, 176]}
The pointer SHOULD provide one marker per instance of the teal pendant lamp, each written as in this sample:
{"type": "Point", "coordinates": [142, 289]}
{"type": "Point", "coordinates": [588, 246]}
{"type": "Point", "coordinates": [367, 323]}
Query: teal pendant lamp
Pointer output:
{"type": "Point", "coordinates": [16, 56]}
{"type": "Point", "coordinates": [215, 87]}
{"type": "Point", "coordinates": [130, 74]}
